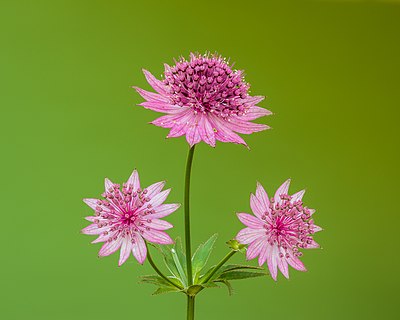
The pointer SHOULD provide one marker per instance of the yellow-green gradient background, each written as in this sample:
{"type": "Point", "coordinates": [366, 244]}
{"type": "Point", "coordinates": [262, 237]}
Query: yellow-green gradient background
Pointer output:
{"type": "Point", "coordinates": [330, 70]}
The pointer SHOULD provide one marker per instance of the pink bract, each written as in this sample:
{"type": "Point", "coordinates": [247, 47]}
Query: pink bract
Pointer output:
{"type": "Point", "coordinates": [128, 216]}
{"type": "Point", "coordinates": [204, 99]}
{"type": "Point", "coordinates": [279, 228]}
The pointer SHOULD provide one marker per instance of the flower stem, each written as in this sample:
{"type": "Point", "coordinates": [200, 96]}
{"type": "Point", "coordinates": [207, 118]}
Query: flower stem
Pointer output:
{"type": "Point", "coordinates": [151, 261]}
{"type": "Point", "coordinates": [190, 308]}
{"type": "Point", "coordinates": [187, 220]}
{"type": "Point", "coordinates": [219, 265]}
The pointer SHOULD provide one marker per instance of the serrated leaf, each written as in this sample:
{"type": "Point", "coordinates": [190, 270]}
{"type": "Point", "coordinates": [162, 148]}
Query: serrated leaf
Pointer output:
{"type": "Point", "coordinates": [210, 284]}
{"type": "Point", "coordinates": [181, 254]}
{"type": "Point", "coordinates": [228, 285]}
{"type": "Point", "coordinates": [181, 271]}
{"type": "Point", "coordinates": [201, 256]}
{"type": "Point", "coordinates": [168, 260]}
{"type": "Point", "coordinates": [159, 281]}
{"type": "Point", "coordinates": [162, 290]}
{"type": "Point", "coordinates": [238, 275]}
{"type": "Point", "coordinates": [228, 267]}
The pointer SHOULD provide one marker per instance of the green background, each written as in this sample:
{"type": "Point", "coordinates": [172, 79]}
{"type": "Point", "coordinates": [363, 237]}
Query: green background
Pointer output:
{"type": "Point", "coordinates": [331, 72]}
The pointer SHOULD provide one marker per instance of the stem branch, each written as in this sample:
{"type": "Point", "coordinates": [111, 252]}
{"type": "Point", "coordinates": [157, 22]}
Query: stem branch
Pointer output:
{"type": "Point", "coordinates": [219, 265]}
{"type": "Point", "coordinates": [151, 261]}
{"type": "Point", "coordinates": [187, 218]}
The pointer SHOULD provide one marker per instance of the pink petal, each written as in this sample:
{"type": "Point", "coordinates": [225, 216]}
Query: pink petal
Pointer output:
{"type": "Point", "coordinates": [192, 134]}
{"type": "Point", "coordinates": [250, 221]}
{"type": "Point", "coordinates": [253, 100]}
{"type": "Point", "coordinates": [101, 238]}
{"type": "Point", "coordinates": [110, 247]}
{"type": "Point", "coordinates": [262, 197]}
{"type": "Point", "coordinates": [223, 133]}
{"type": "Point", "coordinates": [91, 203]}
{"type": "Point", "coordinates": [139, 249]}
{"type": "Point", "coordinates": [163, 210]}
{"type": "Point", "coordinates": [254, 113]}
{"type": "Point", "coordinates": [155, 83]}
{"type": "Point", "coordinates": [159, 198]}
{"type": "Point", "coordinates": [263, 255]}
{"type": "Point", "coordinates": [313, 245]}
{"type": "Point", "coordinates": [245, 127]}
{"type": "Point", "coordinates": [297, 196]}
{"type": "Point", "coordinates": [156, 236]}
{"type": "Point", "coordinates": [272, 256]}
{"type": "Point", "coordinates": [134, 180]}
{"type": "Point", "coordinates": [295, 262]}
{"type": "Point", "coordinates": [169, 121]}
{"type": "Point", "coordinates": [283, 266]}
{"type": "Point", "coordinates": [256, 206]}
{"type": "Point", "coordinates": [255, 247]}
{"type": "Point", "coordinates": [312, 211]}
{"type": "Point", "coordinates": [180, 124]}
{"type": "Point", "coordinates": [93, 229]}
{"type": "Point", "coordinates": [158, 224]}
{"type": "Point", "coordinates": [316, 228]}
{"type": "Point", "coordinates": [283, 189]}
{"type": "Point", "coordinates": [248, 235]}
{"type": "Point", "coordinates": [206, 131]}
{"type": "Point", "coordinates": [126, 249]}
{"type": "Point", "coordinates": [151, 96]}
{"type": "Point", "coordinates": [161, 107]}
{"type": "Point", "coordinates": [154, 189]}
{"type": "Point", "coordinates": [108, 184]}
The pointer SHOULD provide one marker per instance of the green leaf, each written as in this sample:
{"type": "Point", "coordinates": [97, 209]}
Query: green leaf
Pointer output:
{"type": "Point", "coordinates": [228, 285]}
{"type": "Point", "coordinates": [157, 280]}
{"type": "Point", "coordinates": [210, 284]}
{"type": "Point", "coordinates": [181, 255]}
{"type": "Point", "coordinates": [200, 257]}
{"type": "Point", "coordinates": [238, 275]}
{"type": "Point", "coordinates": [181, 271]}
{"type": "Point", "coordinates": [162, 290]}
{"type": "Point", "coordinates": [168, 260]}
{"type": "Point", "coordinates": [228, 267]}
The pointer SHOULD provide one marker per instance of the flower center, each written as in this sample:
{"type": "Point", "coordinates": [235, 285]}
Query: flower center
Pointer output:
{"type": "Point", "coordinates": [207, 84]}
{"type": "Point", "coordinates": [290, 225]}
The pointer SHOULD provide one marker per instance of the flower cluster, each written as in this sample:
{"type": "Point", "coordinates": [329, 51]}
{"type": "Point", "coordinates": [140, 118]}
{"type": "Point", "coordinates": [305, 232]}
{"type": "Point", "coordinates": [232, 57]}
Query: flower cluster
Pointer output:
{"type": "Point", "coordinates": [279, 228]}
{"type": "Point", "coordinates": [204, 99]}
{"type": "Point", "coordinates": [129, 215]}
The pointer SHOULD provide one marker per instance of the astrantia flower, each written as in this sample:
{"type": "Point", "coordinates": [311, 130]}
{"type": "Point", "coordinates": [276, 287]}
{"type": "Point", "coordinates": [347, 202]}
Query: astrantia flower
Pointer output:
{"type": "Point", "coordinates": [281, 226]}
{"type": "Point", "coordinates": [204, 99]}
{"type": "Point", "coordinates": [128, 215]}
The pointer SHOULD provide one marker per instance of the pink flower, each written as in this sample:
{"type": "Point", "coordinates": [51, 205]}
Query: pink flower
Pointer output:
{"type": "Point", "coordinates": [126, 217]}
{"type": "Point", "coordinates": [204, 99]}
{"type": "Point", "coordinates": [281, 226]}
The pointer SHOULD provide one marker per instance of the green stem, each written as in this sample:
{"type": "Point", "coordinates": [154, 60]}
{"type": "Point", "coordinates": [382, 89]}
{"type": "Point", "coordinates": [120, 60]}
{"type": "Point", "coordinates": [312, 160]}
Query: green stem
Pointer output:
{"type": "Point", "coordinates": [190, 308]}
{"type": "Point", "coordinates": [218, 266]}
{"type": "Point", "coordinates": [151, 261]}
{"type": "Point", "coordinates": [187, 218]}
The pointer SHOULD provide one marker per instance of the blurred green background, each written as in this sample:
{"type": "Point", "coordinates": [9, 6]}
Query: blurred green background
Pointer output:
{"type": "Point", "coordinates": [331, 72]}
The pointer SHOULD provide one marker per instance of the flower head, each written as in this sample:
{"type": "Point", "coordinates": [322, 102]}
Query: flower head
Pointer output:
{"type": "Point", "coordinates": [129, 215]}
{"type": "Point", "coordinates": [204, 99]}
{"type": "Point", "coordinates": [281, 226]}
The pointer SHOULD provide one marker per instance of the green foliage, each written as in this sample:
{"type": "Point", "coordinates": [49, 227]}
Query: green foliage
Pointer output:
{"type": "Point", "coordinates": [175, 261]}
{"type": "Point", "coordinates": [201, 256]}
{"type": "Point", "coordinates": [238, 275]}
